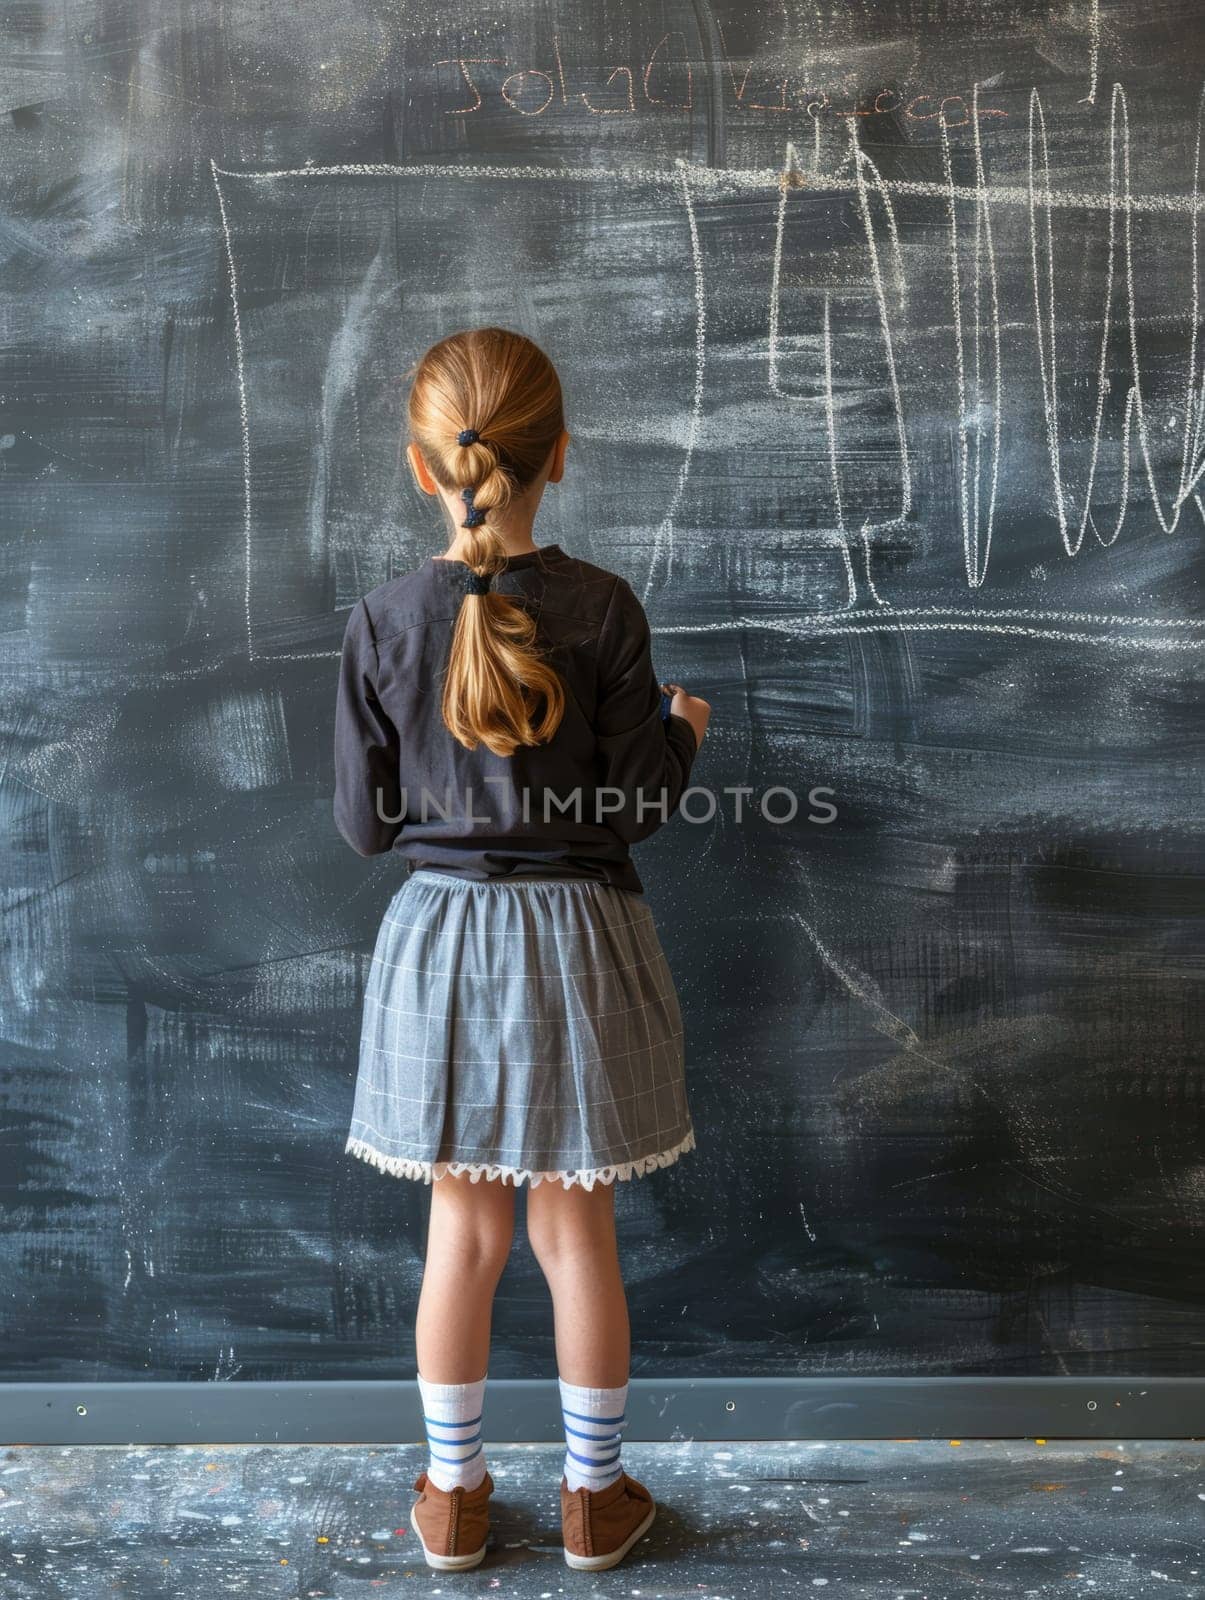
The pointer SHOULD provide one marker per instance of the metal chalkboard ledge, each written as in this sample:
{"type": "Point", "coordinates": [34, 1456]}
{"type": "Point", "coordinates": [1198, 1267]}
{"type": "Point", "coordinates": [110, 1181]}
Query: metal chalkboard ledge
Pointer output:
{"type": "Point", "coordinates": [528, 1410]}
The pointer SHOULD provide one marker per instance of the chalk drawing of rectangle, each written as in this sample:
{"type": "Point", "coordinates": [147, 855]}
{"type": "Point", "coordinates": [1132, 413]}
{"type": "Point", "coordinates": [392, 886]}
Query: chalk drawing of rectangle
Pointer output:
{"type": "Point", "coordinates": [651, 225]}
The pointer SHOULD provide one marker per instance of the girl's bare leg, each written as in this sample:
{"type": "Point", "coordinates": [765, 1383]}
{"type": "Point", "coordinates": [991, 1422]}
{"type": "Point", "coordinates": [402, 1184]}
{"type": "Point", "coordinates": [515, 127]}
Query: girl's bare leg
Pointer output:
{"type": "Point", "coordinates": [469, 1234]}
{"type": "Point", "coordinates": [572, 1234]}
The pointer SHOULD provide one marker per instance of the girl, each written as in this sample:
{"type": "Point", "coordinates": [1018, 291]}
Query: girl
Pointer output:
{"type": "Point", "coordinates": [499, 726]}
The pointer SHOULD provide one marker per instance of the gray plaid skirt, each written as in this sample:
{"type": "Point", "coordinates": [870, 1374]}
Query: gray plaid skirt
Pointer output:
{"type": "Point", "coordinates": [519, 1029]}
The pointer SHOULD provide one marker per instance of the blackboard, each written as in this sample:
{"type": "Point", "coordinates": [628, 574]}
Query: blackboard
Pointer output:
{"type": "Point", "coordinates": [880, 331]}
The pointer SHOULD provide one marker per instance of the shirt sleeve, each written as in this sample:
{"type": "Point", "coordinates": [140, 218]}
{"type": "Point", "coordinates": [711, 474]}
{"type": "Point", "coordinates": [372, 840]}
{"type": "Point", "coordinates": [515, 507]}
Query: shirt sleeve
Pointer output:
{"type": "Point", "coordinates": [367, 747]}
{"type": "Point", "coordinates": [643, 756]}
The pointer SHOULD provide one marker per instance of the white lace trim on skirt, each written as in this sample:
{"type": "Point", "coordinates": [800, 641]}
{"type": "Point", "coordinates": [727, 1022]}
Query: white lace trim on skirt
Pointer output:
{"type": "Point", "coordinates": [404, 1167]}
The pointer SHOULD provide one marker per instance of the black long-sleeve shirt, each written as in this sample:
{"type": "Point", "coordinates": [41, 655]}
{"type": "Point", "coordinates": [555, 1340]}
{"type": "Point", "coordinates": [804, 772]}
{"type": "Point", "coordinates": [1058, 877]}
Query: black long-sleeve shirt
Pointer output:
{"type": "Point", "coordinates": [612, 774]}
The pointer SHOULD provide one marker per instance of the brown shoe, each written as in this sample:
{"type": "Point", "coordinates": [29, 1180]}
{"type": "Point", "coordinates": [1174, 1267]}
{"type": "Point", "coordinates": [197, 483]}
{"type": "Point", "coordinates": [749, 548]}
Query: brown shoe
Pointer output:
{"type": "Point", "coordinates": [452, 1527]}
{"type": "Point", "coordinates": [600, 1526]}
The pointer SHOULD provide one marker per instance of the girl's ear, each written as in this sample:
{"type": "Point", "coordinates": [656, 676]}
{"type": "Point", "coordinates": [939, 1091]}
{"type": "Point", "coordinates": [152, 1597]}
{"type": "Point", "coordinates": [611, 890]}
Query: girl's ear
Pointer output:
{"type": "Point", "coordinates": [419, 468]}
{"type": "Point", "coordinates": [557, 470]}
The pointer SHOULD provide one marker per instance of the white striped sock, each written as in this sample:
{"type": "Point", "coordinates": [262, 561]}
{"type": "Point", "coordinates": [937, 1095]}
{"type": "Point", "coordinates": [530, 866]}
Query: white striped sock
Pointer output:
{"type": "Point", "coordinates": [452, 1416]}
{"type": "Point", "coordinates": [594, 1420]}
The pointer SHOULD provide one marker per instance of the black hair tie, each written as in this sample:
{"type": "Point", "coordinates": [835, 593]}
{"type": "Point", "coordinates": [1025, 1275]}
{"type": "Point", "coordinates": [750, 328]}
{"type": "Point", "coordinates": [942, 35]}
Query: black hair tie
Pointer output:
{"type": "Point", "coordinates": [478, 583]}
{"type": "Point", "coordinates": [467, 436]}
{"type": "Point", "coordinates": [475, 515]}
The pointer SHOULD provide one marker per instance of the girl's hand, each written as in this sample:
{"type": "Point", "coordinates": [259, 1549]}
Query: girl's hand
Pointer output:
{"type": "Point", "coordinates": [690, 706]}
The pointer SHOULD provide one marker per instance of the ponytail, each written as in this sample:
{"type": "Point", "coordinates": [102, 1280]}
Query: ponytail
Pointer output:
{"type": "Point", "coordinates": [496, 678]}
{"type": "Point", "coordinates": [485, 410]}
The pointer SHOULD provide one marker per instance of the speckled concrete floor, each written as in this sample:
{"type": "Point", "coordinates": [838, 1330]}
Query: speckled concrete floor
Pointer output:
{"type": "Point", "coordinates": [886, 1520]}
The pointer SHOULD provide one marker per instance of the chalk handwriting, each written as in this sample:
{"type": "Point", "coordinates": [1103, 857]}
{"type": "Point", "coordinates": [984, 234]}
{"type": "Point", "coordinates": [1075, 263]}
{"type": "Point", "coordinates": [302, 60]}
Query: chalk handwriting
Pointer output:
{"type": "Point", "coordinates": [666, 83]}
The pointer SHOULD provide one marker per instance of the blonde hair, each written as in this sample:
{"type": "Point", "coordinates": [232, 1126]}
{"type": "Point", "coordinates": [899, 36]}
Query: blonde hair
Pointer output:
{"type": "Point", "coordinates": [499, 691]}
